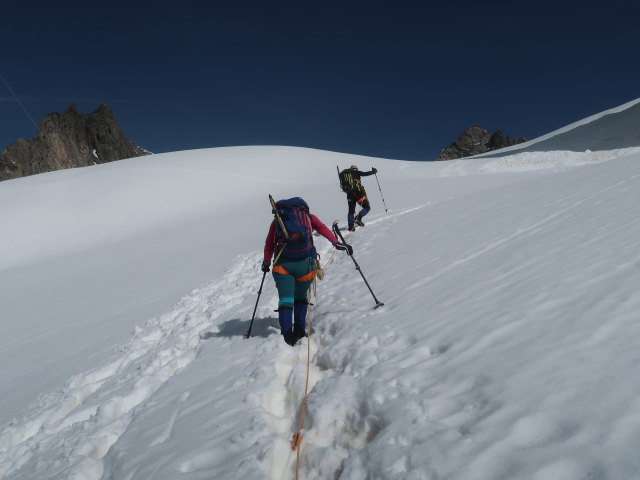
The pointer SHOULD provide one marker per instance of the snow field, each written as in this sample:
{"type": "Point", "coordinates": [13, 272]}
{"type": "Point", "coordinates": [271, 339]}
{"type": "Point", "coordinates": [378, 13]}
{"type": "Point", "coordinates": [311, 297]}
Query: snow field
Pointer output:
{"type": "Point", "coordinates": [506, 349]}
{"type": "Point", "coordinates": [93, 409]}
{"type": "Point", "coordinates": [436, 375]}
{"type": "Point", "coordinates": [274, 390]}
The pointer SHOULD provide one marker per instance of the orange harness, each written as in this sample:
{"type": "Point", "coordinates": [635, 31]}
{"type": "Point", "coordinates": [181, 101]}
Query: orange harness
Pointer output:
{"type": "Point", "coordinates": [283, 271]}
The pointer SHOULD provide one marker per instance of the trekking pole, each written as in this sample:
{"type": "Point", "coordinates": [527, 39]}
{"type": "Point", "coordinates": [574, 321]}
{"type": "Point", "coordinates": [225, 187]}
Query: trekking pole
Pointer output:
{"type": "Point", "coordinates": [385, 205]}
{"type": "Point", "coordinates": [286, 235]}
{"type": "Point", "coordinates": [338, 233]}
{"type": "Point", "coordinates": [256, 307]}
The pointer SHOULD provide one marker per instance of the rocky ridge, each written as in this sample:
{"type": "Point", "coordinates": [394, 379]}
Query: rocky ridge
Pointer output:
{"type": "Point", "coordinates": [69, 140]}
{"type": "Point", "coordinates": [475, 140]}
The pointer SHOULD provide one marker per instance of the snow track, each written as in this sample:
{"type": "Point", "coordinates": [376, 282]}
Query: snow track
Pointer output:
{"type": "Point", "coordinates": [76, 426]}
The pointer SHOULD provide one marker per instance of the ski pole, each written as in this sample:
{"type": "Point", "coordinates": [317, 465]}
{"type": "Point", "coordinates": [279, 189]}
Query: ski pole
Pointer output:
{"type": "Point", "coordinates": [338, 233]}
{"type": "Point", "coordinates": [385, 205]}
{"type": "Point", "coordinates": [256, 307]}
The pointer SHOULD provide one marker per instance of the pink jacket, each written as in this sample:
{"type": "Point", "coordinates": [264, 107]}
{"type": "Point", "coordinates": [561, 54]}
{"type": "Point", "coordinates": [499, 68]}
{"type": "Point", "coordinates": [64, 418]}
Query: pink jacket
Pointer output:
{"type": "Point", "coordinates": [271, 242]}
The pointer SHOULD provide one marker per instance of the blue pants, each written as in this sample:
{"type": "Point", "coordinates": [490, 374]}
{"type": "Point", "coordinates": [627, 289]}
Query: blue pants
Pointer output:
{"type": "Point", "coordinates": [293, 279]}
{"type": "Point", "coordinates": [351, 202]}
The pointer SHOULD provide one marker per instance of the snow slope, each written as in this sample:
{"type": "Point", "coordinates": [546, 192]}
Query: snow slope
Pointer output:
{"type": "Point", "coordinates": [612, 129]}
{"type": "Point", "coordinates": [506, 348]}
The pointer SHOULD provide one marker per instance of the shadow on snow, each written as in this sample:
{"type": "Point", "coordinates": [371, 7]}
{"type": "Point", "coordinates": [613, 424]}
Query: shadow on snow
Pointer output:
{"type": "Point", "coordinates": [262, 327]}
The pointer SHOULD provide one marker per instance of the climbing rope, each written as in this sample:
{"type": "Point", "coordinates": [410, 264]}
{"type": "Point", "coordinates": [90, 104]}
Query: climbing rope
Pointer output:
{"type": "Point", "coordinates": [296, 440]}
{"type": "Point", "coordinates": [297, 436]}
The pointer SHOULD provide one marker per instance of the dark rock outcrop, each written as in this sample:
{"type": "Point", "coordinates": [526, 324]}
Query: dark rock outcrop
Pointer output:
{"type": "Point", "coordinates": [475, 140]}
{"type": "Point", "coordinates": [69, 140]}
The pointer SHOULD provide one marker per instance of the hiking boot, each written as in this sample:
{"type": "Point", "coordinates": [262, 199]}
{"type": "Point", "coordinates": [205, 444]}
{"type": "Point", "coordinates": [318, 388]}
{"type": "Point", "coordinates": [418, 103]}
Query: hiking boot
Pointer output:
{"type": "Point", "coordinates": [352, 228]}
{"type": "Point", "coordinates": [291, 338]}
{"type": "Point", "coordinates": [358, 220]}
{"type": "Point", "coordinates": [299, 333]}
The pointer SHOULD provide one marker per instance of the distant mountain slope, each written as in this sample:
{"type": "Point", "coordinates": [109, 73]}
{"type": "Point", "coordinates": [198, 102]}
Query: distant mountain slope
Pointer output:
{"type": "Point", "coordinates": [613, 129]}
{"type": "Point", "coordinates": [69, 140]}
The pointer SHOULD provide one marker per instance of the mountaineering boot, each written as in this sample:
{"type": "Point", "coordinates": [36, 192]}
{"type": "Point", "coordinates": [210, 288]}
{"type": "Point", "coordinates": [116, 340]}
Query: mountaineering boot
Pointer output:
{"type": "Point", "coordinates": [300, 318]}
{"type": "Point", "coordinates": [298, 334]}
{"type": "Point", "coordinates": [285, 318]}
{"type": "Point", "coordinates": [290, 338]}
{"type": "Point", "coordinates": [358, 220]}
{"type": "Point", "coordinates": [352, 227]}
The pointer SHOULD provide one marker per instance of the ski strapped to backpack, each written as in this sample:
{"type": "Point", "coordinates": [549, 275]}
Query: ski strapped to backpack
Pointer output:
{"type": "Point", "coordinates": [293, 228]}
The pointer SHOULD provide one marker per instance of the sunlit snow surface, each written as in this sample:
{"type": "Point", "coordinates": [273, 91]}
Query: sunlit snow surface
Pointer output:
{"type": "Point", "coordinates": [507, 347]}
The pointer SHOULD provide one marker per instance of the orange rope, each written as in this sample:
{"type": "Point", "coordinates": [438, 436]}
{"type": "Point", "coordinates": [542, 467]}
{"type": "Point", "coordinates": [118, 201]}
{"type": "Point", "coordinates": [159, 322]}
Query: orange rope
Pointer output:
{"type": "Point", "coordinates": [296, 440]}
{"type": "Point", "coordinates": [297, 437]}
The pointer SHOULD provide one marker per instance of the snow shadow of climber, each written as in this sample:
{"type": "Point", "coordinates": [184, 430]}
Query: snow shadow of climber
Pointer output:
{"type": "Point", "coordinates": [262, 327]}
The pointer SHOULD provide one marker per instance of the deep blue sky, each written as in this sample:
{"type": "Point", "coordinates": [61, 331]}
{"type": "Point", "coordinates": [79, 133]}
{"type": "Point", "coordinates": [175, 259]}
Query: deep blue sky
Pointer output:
{"type": "Point", "coordinates": [389, 79]}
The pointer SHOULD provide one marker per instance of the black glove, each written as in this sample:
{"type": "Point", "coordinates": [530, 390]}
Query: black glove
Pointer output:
{"type": "Point", "coordinates": [344, 246]}
{"type": "Point", "coordinates": [374, 170]}
{"type": "Point", "coordinates": [265, 267]}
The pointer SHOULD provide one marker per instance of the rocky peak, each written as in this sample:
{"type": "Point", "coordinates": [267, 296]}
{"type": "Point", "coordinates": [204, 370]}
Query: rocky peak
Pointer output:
{"type": "Point", "coordinates": [475, 140]}
{"type": "Point", "coordinates": [69, 140]}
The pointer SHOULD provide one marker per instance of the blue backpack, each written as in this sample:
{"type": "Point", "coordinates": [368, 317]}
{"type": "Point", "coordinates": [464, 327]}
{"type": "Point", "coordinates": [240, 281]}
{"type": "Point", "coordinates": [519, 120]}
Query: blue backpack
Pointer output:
{"type": "Point", "coordinates": [294, 213]}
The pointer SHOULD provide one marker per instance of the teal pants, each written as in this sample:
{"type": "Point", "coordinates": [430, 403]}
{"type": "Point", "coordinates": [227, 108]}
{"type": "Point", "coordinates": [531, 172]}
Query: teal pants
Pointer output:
{"type": "Point", "coordinates": [293, 279]}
